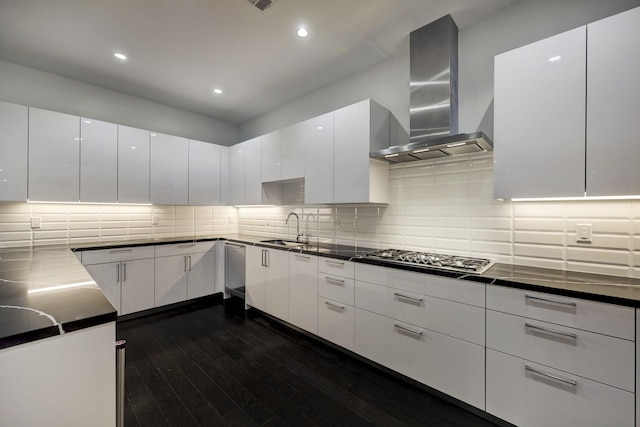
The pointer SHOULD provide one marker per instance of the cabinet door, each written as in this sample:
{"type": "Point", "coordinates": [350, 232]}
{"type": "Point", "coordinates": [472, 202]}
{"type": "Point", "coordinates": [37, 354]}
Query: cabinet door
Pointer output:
{"type": "Point", "coordinates": [351, 153]}
{"type": "Point", "coordinates": [613, 105]}
{"type": "Point", "coordinates": [13, 152]}
{"type": "Point", "coordinates": [107, 276]}
{"type": "Point", "coordinates": [539, 118]}
{"type": "Point", "coordinates": [236, 174]}
{"type": "Point", "coordinates": [255, 291]}
{"type": "Point", "coordinates": [336, 322]}
{"type": "Point", "coordinates": [204, 173]}
{"type": "Point", "coordinates": [169, 170]}
{"type": "Point", "coordinates": [133, 165]}
{"type": "Point", "coordinates": [224, 176]}
{"type": "Point", "coordinates": [201, 275]}
{"type": "Point", "coordinates": [272, 156]}
{"type": "Point", "coordinates": [54, 156]}
{"type": "Point", "coordinates": [277, 283]}
{"type": "Point", "coordinates": [303, 291]}
{"type": "Point", "coordinates": [253, 172]}
{"type": "Point", "coordinates": [98, 161]}
{"type": "Point", "coordinates": [318, 159]}
{"type": "Point", "coordinates": [137, 285]}
{"type": "Point", "coordinates": [171, 279]}
{"type": "Point", "coordinates": [293, 142]}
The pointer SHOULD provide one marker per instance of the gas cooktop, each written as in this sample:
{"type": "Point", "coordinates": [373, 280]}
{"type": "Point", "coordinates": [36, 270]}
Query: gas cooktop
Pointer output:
{"type": "Point", "coordinates": [446, 262]}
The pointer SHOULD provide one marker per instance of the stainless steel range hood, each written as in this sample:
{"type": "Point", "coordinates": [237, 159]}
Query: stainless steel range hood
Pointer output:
{"type": "Point", "coordinates": [433, 110]}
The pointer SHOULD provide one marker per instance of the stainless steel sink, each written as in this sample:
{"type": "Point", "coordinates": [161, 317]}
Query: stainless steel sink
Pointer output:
{"type": "Point", "coordinates": [289, 244]}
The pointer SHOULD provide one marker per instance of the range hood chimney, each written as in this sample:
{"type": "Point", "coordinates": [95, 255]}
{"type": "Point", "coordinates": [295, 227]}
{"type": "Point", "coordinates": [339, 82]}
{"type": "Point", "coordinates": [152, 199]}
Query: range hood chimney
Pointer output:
{"type": "Point", "coordinates": [434, 99]}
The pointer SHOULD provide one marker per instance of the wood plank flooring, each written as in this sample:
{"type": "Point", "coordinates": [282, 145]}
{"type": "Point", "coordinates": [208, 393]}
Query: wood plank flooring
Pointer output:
{"type": "Point", "coordinates": [207, 365]}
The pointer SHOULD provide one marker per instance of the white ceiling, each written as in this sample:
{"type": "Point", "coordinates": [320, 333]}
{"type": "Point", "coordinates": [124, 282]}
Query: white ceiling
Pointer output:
{"type": "Point", "coordinates": [179, 50]}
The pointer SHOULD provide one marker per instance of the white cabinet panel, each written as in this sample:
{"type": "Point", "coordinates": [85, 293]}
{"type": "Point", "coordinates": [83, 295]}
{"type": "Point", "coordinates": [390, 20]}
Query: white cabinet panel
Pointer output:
{"type": "Point", "coordinates": [336, 288]}
{"type": "Point", "coordinates": [98, 161]}
{"type": "Point", "coordinates": [101, 256]}
{"type": "Point", "coordinates": [613, 105]}
{"type": "Point", "coordinates": [13, 152]}
{"type": "Point", "coordinates": [225, 199]}
{"type": "Point", "coordinates": [539, 118]}
{"type": "Point", "coordinates": [303, 291]}
{"type": "Point", "coordinates": [236, 174]}
{"type": "Point", "coordinates": [272, 156]}
{"type": "Point", "coordinates": [54, 156]}
{"type": "Point", "coordinates": [133, 165]}
{"type": "Point", "coordinates": [337, 267]}
{"type": "Point", "coordinates": [171, 279]}
{"type": "Point", "coordinates": [201, 281]}
{"type": "Point", "coordinates": [107, 276]}
{"type": "Point", "coordinates": [253, 172]}
{"type": "Point", "coordinates": [277, 283]}
{"type": "Point", "coordinates": [293, 142]}
{"type": "Point", "coordinates": [204, 173]}
{"type": "Point", "coordinates": [137, 285]}
{"type": "Point", "coordinates": [336, 322]}
{"type": "Point", "coordinates": [318, 159]}
{"type": "Point", "coordinates": [169, 170]}
{"type": "Point", "coordinates": [530, 399]}
{"type": "Point", "coordinates": [255, 288]}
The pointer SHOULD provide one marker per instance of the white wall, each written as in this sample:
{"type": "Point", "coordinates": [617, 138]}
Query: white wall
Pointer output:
{"type": "Point", "coordinates": [388, 83]}
{"type": "Point", "coordinates": [28, 86]}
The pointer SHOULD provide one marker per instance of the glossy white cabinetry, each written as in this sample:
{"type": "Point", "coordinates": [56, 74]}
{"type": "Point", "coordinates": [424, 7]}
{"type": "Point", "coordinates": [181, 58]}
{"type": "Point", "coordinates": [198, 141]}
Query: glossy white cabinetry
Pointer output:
{"type": "Point", "coordinates": [225, 197]}
{"type": "Point", "coordinates": [255, 289]}
{"type": "Point", "coordinates": [169, 170]}
{"type": "Point", "coordinates": [267, 281]}
{"type": "Point", "coordinates": [613, 105]}
{"type": "Point", "coordinates": [98, 161]}
{"type": "Point", "coordinates": [14, 124]}
{"type": "Point", "coordinates": [138, 285]}
{"type": "Point", "coordinates": [236, 174]}
{"type": "Point", "coordinates": [66, 380]}
{"type": "Point", "coordinates": [54, 156]}
{"type": "Point", "coordinates": [253, 171]}
{"type": "Point", "coordinates": [359, 129]}
{"type": "Point", "coordinates": [109, 278]}
{"type": "Point", "coordinates": [539, 118]}
{"type": "Point", "coordinates": [293, 143]}
{"type": "Point", "coordinates": [133, 165]}
{"type": "Point", "coordinates": [336, 313]}
{"type": "Point", "coordinates": [318, 159]}
{"type": "Point", "coordinates": [272, 156]}
{"type": "Point", "coordinates": [204, 173]}
{"type": "Point", "coordinates": [171, 279]}
{"type": "Point", "coordinates": [303, 291]}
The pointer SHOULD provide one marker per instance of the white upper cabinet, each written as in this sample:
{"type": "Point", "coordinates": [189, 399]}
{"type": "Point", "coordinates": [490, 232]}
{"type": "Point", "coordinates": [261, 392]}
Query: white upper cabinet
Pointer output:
{"type": "Point", "coordinates": [133, 165]}
{"type": "Point", "coordinates": [359, 129]}
{"type": "Point", "coordinates": [253, 171]}
{"type": "Point", "coordinates": [236, 174]}
{"type": "Point", "coordinates": [98, 161]}
{"type": "Point", "coordinates": [539, 116]}
{"type": "Point", "coordinates": [204, 173]}
{"type": "Point", "coordinates": [318, 153]}
{"type": "Point", "coordinates": [13, 151]}
{"type": "Point", "coordinates": [613, 105]}
{"type": "Point", "coordinates": [293, 142]}
{"type": "Point", "coordinates": [272, 156]}
{"type": "Point", "coordinates": [169, 170]}
{"type": "Point", "coordinates": [54, 156]}
{"type": "Point", "coordinates": [224, 176]}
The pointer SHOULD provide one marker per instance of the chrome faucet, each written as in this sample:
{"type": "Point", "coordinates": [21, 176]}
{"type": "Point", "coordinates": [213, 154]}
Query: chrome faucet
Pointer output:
{"type": "Point", "coordinates": [298, 233]}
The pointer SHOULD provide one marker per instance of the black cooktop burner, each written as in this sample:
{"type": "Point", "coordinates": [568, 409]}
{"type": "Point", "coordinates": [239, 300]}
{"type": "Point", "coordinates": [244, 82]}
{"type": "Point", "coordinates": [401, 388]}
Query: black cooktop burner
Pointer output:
{"type": "Point", "coordinates": [448, 262]}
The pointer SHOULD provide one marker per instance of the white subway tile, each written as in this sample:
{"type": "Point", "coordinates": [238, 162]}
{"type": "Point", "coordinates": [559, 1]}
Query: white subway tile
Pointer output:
{"type": "Point", "coordinates": [539, 224]}
{"type": "Point", "coordinates": [540, 237]}
{"type": "Point", "coordinates": [538, 210]}
{"type": "Point", "coordinates": [604, 209]}
{"type": "Point", "coordinates": [599, 256]}
{"type": "Point", "coordinates": [538, 251]}
{"type": "Point", "coordinates": [555, 264]}
{"type": "Point", "coordinates": [597, 268]}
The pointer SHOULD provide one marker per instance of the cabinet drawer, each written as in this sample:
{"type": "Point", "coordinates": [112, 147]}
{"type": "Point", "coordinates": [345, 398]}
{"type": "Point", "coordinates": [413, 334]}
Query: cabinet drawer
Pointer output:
{"type": "Point", "coordinates": [425, 284]}
{"type": "Point", "coordinates": [450, 365]}
{"type": "Point", "coordinates": [100, 256]}
{"type": "Point", "coordinates": [448, 317]}
{"type": "Point", "coordinates": [530, 399]}
{"type": "Point", "coordinates": [336, 322]}
{"type": "Point", "coordinates": [336, 267]}
{"type": "Point", "coordinates": [598, 357]}
{"type": "Point", "coordinates": [608, 319]}
{"type": "Point", "coordinates": [184, 248]}
{"type": "Point", "coordinates": [336, 288]}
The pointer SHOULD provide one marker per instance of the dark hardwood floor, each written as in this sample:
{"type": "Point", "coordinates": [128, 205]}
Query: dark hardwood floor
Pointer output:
{"type": "Point", "coordinates": [204, 365]}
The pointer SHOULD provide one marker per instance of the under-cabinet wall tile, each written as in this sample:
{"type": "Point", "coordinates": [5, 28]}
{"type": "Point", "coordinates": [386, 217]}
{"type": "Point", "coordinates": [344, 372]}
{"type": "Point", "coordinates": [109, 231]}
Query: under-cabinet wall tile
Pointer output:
{"type": "Point", "coordinates": [539, 224]}
{"type": "Point", "coordinates": [599, 256]}
{"type": "Point", "coordinates": [538, 251]}
{"type": "Point", "coordinates": [600, 209]}
{"type": "Point", "coordinates": [539, 237]}
{"type": "Point", "coordinates": [539, 262]}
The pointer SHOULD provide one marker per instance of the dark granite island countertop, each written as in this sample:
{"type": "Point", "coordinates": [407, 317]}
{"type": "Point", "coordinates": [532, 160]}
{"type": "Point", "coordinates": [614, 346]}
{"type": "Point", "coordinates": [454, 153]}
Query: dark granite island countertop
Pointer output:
{"type": "Point", "coordinates": [44, 292]}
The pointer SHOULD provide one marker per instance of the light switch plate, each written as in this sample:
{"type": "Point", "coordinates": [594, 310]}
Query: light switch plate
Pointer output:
{"type": "Point", "coordinates": [35, 222]}
{"type": "Point", "coordinates": [155, 219]}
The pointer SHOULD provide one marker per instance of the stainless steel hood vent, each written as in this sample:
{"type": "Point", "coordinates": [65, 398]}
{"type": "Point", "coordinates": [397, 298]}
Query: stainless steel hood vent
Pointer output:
{"type": "Point", "coordinates": [433, 112]}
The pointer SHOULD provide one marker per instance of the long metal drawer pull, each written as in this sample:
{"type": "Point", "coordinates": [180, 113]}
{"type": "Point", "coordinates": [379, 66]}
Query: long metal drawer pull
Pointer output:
{"type": "Point", "coordinates": [404, 328]}
{"type": "Point", "coordinates": [550, 301]}
{"type": "Point", "coordinates": [187, 245]}
{"type": "Point", "coordinates": [572, 383]}
{"type": "Point", "coordinates": [399, 295]}
{"type": "Point", "coordinates": [334, 262]}
{"type": "Point", "coordinates": [117, 251]}
{"type": "Point", "coordinates": [303, 256]}
{"type": "Point", "coordinates": [234, 245]}
{"type": "Point", "coordinates": [339, 307]}
{"type": "Point", "coordinates": [333, 279]}
{"type": "Point", "coordinates": [551, 331]}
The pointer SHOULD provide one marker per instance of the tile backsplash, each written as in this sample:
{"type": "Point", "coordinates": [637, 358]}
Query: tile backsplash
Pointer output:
{"type": "Point", "coordinates": [444, 206]}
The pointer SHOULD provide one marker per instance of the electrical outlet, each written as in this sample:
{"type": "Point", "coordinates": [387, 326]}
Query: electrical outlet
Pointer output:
{"type": "Point", "coordinates": [336, 223]}
{"type": "Point", "coordinates": [35, 222]}
{"type": "Point", "coordinates": [584, 233]}
{"type": "Point", "coordinates": [155, 219]}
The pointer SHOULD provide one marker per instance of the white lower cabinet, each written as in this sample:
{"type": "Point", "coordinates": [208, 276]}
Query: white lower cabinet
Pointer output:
{"type": "Point", "coordinates": [532, 395]}
{"type": "Point", "coordinates": [171, 279]}
{"type": "Point", "coordinates": [255, 289]}
{"type": "Point", "coordinates": [267, 281]}
{"type": "Point", "coordinates": [137, 285]}
{"type": "Point", "coordinates": [448, 364]}
{"type": "Point", "coordinates": [303, 291]}
{"type": "Point", "coordinates": [336, 322]}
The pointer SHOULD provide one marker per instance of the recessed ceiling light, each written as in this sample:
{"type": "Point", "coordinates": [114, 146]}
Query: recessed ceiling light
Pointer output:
{"type": "Point", "coordinates": [555, 58]}
{"type": "Point", "coordinates": [217, 91]}
{"type": "Point", "coordinates": [153, 134]}
{"type": "Point", "coordinates": [88, 121]}
{"type": "Point", "coordinates": [120, 56]}
{"type": "Point", "coordinates": [319, 128]}
{"type": "Point", "coordinates": [302, 32]}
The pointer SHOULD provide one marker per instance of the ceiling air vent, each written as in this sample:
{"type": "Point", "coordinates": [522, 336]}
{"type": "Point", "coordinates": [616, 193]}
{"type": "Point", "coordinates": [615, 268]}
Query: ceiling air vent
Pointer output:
{"type": "Point", "coordinates": [261, 4]}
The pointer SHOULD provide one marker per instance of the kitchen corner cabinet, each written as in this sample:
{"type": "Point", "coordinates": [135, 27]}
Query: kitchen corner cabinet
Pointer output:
{"type": "Point", "coordinates": [204, 173]}
{"type": "Point", "coordinates": [272, 156]}
{"type": "Point", "coordinates": [225, 198]}
{"type": "Point", "coordinates": [303, 291]}
{"type": "Point", "coordinates": [318, 159]}
{"type": "Point", "coordinates": [14, 121]}
{"type": "Point", "coordinates": [98, 161]}
{"type": "Point", "coordinates": [169, 170]}
{"type": "Point", "coordinates": [539, 120]}
{"type": "Point", "coordinates": [54, 156]}
{"type": "Point", "coordinates": [133, 165]}
{"type": "Point", "coordinates": [236, 174]}
{"type": "Point", "coordinates": [613, 101]}
{"type": "Point", "coordinates": [359, 129]}
{"type": "Point", "coordinates": [267, 281]}
{"type": "Point", "coordinates": [253, 171]}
